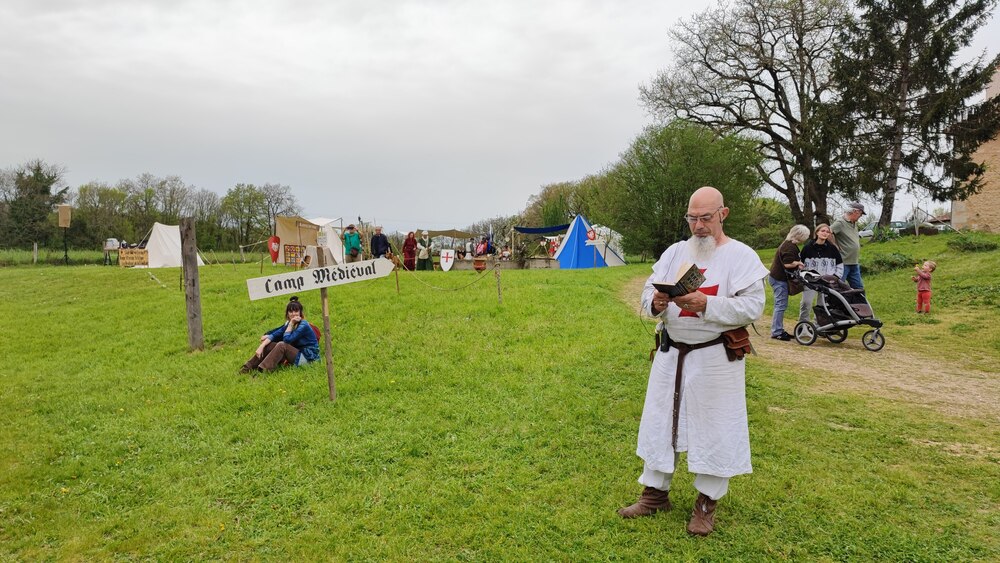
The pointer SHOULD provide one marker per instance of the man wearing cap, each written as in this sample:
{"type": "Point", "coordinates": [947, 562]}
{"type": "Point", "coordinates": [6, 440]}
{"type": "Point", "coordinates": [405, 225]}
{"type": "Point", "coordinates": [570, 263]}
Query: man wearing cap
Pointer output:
{"type": "Point", "coordinates": [845, 230]}
{"type": "Point", "coordinates": [379, 243]}
{"type": "Point", "coordinates": [352, 244]}
{"type": "Point", "coordinates": [424, 260]}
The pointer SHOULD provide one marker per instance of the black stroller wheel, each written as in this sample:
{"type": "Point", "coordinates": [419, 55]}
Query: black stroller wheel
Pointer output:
{"type": "Point", "coordinates": [837, 337]}
{"type": "Point", "coordinates": [805, 333]}
{"type": "Point", "coordinates": [873, 340]}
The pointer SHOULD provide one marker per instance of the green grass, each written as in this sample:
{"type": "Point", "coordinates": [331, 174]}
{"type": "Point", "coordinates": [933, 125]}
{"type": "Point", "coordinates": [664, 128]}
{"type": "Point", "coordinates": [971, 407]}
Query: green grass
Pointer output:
{"type": "Point", "coordinates": [464, 429]}
{"type": "Point", "coordinates": [56, 256]}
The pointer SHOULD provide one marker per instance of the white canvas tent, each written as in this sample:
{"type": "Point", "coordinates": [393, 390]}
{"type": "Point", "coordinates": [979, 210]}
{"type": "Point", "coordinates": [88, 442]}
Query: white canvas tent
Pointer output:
{"type": "Point", "coordinates": [295, 231]}
{"type": "Point", "coordinates": [329, 236]}
{"type": "Point", "coordinates": [318, 231]}
{"type": "Point", "coordinates": [164, 247]}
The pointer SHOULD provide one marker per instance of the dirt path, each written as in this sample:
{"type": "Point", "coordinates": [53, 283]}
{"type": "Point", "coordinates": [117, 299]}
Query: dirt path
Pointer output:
{"type": "Point", "coordinates": [892, 373]}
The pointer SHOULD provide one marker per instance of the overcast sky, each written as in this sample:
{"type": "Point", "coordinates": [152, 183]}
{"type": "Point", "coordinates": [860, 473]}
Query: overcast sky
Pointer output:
{"type": "Point", "coordinates": [412, 113]}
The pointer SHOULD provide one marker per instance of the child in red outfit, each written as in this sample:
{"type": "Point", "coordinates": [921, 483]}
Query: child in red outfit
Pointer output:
{"type": "Point", "coordinates": [923, 279]}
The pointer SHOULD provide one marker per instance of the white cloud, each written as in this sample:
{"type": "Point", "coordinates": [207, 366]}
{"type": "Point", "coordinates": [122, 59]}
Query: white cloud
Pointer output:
{"type": "Point", "coordinates": [436, 112]}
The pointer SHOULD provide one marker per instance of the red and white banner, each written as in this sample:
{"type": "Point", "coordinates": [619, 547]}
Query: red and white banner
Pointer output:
{"type": "Point", "coordinates": [273, 247]}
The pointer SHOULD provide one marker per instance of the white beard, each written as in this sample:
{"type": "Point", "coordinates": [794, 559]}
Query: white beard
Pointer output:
{"type": "Point", "coordinates": [701, 248]}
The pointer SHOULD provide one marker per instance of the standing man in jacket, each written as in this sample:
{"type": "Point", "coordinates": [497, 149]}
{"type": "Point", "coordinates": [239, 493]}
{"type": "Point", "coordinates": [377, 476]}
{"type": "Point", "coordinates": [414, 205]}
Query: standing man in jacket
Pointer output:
{"type": "Point", "coordinates": [379, 243]}
{"type": "Point", "coordinates": [845, 231]}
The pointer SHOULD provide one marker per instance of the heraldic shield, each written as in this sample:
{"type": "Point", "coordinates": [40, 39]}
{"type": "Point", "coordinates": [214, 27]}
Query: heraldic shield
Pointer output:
{"type": "Point", "coordinates": [447, 259]}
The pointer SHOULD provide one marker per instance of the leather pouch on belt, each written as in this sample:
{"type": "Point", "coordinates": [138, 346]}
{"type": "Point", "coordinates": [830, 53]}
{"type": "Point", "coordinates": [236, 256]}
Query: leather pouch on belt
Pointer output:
{"type": "Point", "coordinates": [737, 343]}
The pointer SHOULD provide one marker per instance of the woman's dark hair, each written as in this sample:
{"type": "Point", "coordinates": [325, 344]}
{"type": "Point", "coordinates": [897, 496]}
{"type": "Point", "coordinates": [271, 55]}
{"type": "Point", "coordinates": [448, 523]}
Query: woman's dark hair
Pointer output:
{"type": "Point", "coordinates": [294, 307]}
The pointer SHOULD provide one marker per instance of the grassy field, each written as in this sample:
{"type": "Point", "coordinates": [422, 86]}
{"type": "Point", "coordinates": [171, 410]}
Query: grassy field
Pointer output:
{"type": "Point", "coordinates": [464, 429]}
{"type": "Point", "coordinates": [54, 256]}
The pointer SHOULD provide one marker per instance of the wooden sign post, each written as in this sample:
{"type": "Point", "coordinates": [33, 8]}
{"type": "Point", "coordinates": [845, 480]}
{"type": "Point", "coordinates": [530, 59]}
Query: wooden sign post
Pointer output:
{"type": "Point", "coordinates": [331, 381]}
{"type": "Point", "coordinates": [192, 286]}
{"type": "Point", "coordinates": [65, 211]}
{"type": "Point", "coordinates": [320, 278]}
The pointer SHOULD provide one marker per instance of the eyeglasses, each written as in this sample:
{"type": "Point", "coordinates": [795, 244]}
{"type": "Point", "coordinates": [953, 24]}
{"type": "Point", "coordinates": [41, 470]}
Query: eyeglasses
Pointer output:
{"type": "Point", "coordinates": [706, 218]}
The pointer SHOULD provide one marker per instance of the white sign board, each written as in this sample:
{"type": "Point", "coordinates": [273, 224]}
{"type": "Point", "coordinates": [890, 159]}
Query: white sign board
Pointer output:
{"type": "Point", "coordinates": [315, 278]}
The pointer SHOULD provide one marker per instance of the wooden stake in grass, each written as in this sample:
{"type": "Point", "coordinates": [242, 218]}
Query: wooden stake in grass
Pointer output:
{"type": "Point", "coordinates": [499, 291]}
{"type": "Point", "coordinates": [192, 288]}
{"type": "Point", "coordinates": [328, 353]}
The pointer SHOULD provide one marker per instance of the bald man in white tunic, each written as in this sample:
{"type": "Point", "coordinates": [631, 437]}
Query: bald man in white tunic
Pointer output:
{"type": "Point", "coordinates": [711, 418]}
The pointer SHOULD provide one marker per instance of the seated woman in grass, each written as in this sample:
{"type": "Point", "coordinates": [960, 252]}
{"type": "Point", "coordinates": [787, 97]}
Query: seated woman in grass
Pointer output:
{"type": "Point", "coordinates": [294, 343]}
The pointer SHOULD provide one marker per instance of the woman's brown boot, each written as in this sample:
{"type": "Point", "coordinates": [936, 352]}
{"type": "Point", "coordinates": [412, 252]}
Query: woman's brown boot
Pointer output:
{"type": "Point", "coordinates": [703, 516]}
{"type": "Point", "coordinates": [650, 502]}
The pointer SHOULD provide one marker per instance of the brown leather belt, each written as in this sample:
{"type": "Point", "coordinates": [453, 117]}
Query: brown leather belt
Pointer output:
{"type": "Point", "coordinates": [682, 351]}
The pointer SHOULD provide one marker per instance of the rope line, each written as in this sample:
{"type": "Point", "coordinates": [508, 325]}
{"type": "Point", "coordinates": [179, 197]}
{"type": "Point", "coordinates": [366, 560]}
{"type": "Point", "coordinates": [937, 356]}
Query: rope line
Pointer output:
{"type": "Point", "coordinates": [252, 245]}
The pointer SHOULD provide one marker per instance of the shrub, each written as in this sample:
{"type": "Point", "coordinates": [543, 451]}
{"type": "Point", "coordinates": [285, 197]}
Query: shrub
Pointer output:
{"type": "Point", "coordinates": [766, 237]}
{"type": "Point", "coordinates": [971, 242]}
{"type": "Point", "coordinates": [880, 263]}
{"type": "Point", "coordinates": [924, 230]}
{"type": "Point", "coordinates": [884, 234]}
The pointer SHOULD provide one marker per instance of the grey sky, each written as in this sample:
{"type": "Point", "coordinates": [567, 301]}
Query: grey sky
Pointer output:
{"type": "Point", "coordinates": [430, 114]}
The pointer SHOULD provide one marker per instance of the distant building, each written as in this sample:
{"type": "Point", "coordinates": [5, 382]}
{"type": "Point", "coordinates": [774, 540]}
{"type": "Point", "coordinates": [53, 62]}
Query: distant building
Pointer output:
{"type": "Point", "coordinates": [981, 212]}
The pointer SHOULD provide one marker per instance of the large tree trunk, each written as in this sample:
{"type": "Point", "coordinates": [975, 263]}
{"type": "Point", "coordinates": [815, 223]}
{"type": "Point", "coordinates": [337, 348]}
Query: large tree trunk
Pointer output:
{"type": "Point", "coordinates": [896, 158]}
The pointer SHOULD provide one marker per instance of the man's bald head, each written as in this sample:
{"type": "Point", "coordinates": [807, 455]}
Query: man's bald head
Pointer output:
{"type": "Point", "coordinates": [706, 196]}
{"type": "Point", "coordinates": [708, 207]}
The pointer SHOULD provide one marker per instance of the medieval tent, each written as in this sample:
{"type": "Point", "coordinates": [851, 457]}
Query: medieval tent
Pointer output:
{"type": "Point", "coordinates": [296, 234]}
{"type": "Point", "coordinates": [582, 248]}
{"type": "Point", "coordinates": [329, 236]}
{"type": "Point", "coordinates": [610, 237]}
{"type": "Point", "coordinates": [164, 247]}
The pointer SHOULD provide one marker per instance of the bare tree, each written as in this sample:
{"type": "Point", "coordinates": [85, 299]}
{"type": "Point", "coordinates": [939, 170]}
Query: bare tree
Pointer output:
{"type": "Point", "coordinates": [6, 185]}
{"type": "Point", "coordinates": [140, 204]}
{"type": "Point", "coordinates": [278, 201]}
{"type": "Point", "coordinates": [171, 195]}
{"type": "Point", "coordinates": [761, 68]}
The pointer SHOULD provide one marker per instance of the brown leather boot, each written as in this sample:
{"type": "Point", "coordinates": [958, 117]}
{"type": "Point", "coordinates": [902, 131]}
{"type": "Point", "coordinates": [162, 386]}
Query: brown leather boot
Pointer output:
{"type": "Point", "coordinates": [650, 502]}
{"type": "Point", "coordinates": [703, 516]}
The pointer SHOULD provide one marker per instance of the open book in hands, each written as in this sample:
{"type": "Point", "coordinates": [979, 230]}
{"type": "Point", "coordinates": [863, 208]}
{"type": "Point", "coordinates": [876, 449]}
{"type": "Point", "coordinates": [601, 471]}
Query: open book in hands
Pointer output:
{"type": "Point", "coordinates": [688, 279]}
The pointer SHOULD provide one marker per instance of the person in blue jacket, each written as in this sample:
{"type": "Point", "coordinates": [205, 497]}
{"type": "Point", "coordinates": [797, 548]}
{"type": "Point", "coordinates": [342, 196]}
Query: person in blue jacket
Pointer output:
{"type": "Point", "coordinates": [293, 342]}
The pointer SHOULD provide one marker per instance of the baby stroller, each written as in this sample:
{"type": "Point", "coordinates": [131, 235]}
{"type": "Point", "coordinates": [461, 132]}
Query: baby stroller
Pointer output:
{"type": "Point", "coordinates": [838, 307]}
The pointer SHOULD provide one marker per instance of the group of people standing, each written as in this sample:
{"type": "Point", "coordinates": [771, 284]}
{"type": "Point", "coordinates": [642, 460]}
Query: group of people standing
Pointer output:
{"type": "Point", "coordinates": [353, 252]}
{"type": "Point", "coordinates": [833, 250]}
{"type": "Point", "coordinates": [417, 253]}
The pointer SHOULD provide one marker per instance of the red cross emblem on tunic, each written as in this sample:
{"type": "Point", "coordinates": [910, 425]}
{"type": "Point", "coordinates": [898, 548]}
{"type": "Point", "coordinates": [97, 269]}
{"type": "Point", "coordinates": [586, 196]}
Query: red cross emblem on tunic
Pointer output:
{"type": "Point", "coordinates": [707, 290]}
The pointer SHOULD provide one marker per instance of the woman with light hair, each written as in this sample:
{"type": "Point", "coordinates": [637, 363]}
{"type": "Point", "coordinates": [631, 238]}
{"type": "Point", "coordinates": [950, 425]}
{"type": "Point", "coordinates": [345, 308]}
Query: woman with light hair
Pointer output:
{"type": "Point", "coordinates": [821, 255]}
{"type": "Point", "coordinates": [786, 258]}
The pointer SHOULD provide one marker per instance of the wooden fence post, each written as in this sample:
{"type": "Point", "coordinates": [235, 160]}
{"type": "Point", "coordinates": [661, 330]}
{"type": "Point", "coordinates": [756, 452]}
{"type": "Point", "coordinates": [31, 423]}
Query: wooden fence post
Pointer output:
{"type": "Point", "coordinates": [192, 287]}
{"type": "Point", "coordinates": [327, 351]}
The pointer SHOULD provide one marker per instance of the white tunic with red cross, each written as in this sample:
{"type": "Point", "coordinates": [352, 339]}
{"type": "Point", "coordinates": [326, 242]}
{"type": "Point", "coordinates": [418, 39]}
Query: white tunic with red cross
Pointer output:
{"type": "Point", "coordinates": [712, 426]}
